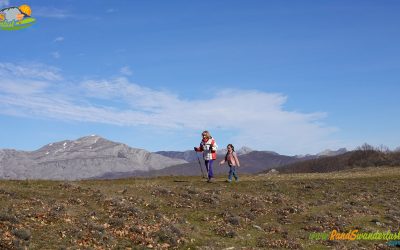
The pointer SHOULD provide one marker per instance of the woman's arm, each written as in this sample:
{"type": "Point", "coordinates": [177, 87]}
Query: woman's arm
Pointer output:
{"type": "Point", "coordinates": [199, 149]}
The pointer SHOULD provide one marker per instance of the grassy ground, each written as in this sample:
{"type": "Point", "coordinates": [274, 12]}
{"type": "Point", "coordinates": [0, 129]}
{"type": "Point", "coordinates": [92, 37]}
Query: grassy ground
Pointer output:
{"type": "Point", "coordinates": [265, 211]}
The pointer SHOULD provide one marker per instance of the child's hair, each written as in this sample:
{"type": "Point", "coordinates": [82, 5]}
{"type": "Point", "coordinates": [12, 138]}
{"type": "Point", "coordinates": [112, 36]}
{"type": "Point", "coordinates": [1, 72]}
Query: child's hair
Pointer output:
{"type": "Point", "coordinates": [227, 152]}
{"type": "Point", "coordinates": [206, 133]}
{"type": "Point", "coordinates": [230, 145]}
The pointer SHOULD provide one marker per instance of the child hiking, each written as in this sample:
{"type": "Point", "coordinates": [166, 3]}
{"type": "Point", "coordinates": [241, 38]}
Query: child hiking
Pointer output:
{"type": "Point", "coordinates": [209, 148]}
{"type": "Point", "coordinates": [233, 162]}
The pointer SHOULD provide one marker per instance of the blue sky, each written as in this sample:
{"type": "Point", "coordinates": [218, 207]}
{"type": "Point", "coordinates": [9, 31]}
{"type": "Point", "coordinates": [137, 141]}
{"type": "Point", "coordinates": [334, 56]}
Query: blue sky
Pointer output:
{"type": "Point", "coordinates": [294, 77]}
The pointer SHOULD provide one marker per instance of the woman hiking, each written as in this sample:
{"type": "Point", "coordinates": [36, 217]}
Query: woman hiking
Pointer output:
{"type": "Point", "coordinates": [209, 148]}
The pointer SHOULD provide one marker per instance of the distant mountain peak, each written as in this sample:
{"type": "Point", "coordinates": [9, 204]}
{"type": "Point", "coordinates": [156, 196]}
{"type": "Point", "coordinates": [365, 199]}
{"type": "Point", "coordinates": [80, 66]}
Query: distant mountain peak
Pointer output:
{"type": "Point", "coordinates": [91, 138]}
{"type": "Point", "coordinates": [245, 150]}
{"type": "Point", "coordinates": [329, 152]}
{"type": "Point", "coordinates": [83, 143]}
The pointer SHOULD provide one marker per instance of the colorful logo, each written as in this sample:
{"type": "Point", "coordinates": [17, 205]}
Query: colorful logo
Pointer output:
{"type": "Point", "coordinates": [16, 18]}
{"type": "Point", "coordinates": [392, 237]}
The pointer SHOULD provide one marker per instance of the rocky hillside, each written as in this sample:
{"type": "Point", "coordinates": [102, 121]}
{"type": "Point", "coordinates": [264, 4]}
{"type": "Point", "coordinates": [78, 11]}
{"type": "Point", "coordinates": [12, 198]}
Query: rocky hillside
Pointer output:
{"type": "Point", "coordinates": [83, 158]}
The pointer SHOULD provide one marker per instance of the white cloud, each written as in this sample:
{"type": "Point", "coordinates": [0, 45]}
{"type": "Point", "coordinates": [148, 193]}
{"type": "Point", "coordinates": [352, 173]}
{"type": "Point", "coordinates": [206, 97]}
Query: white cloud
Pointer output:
{"type": "Point", "coordinates": [4, 3]}
{"type": "Point", "coordinates": [59, 39]}
{"type": "Point", "coordinates": [256, 118]}
{"type": "Point", "coordinates": [56, 54]}
{"type": "Point", "coordinates": [133, 95]}
{"type": "Point", "coordinates": [126, 71]}
{"type": "Point", "coordinates": [31, 71]}
{"type": "Point", "coordinates": [23, 87]}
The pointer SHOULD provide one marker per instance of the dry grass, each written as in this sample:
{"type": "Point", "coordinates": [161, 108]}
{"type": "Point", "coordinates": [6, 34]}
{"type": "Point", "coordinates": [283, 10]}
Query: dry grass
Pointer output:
{"type": "Point", "coordinates": [265, 211]}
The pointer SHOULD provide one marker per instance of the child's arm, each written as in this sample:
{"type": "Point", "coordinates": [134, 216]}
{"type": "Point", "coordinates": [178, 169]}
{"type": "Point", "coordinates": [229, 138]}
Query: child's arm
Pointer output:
{"type": "Point", "coordinates": [224, 160]}
{"type": "Point", "coordinates": [236, 159]}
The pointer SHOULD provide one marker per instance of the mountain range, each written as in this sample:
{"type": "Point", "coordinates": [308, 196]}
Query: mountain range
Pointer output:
{"type": "Point", "coordinates": [83, 158]}
{"type": "Point", "coordinates": [93, 157]}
